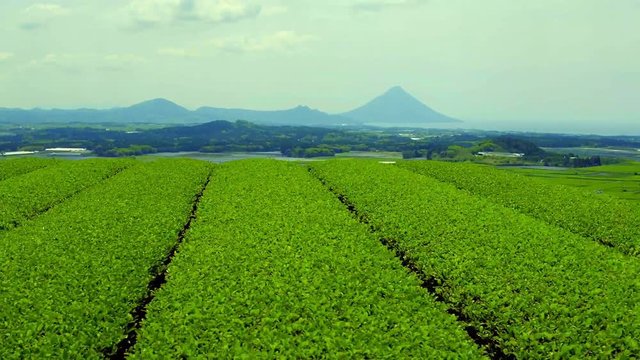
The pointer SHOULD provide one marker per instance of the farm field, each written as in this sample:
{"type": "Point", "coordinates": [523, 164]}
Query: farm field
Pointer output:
{"type": "Point", "coordinates": [595, 215]}
{"type": "Point", "coordinates": [620, 180]}
{"type": "Point", "coordinates": [19, 166]}
{"type": "Point", "coordinates": [620, 153]}
{"type": "Point", "coordinates": [530, 288]}
{"type": "Point", "coordinates": [71, 277]}
{"type": "Point", "coordinates": [346, 258]}
{"type": "Point", "coordinates": [276, 266]}
{"type": "Point", "coordinates": [25, 196]}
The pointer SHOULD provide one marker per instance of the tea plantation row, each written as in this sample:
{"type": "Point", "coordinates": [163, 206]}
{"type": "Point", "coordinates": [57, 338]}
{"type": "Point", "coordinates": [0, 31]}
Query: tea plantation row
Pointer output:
{"type": "Point", "coordinates": [25, 196]}
{"type": "Point", "coordinates": [603, 218]}
{"type": "Point", "coordinates": [531, 289]}
{"type": "Point", "coordinates": [70, 277]}
{"type": "Point", "coordinates": [286, 260]}
{"type": "Point", "coordinates": [14, 167]}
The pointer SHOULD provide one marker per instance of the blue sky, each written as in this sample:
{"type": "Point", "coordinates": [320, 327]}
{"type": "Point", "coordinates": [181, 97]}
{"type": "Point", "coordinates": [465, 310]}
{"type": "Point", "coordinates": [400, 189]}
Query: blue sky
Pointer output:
{"type": "Point", "coordinates": [547, 63]}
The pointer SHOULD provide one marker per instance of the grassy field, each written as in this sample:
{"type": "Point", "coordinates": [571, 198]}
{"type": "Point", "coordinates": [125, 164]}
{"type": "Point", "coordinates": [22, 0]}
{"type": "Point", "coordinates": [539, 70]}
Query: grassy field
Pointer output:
{"type": "Point", "coordinates": [620, 180]}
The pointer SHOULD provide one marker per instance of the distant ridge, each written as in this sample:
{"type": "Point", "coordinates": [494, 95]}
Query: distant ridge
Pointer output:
{"type": "Point", "coordinates": [163, 111]}
{"type": "Point", "coordinates": [396, 106]}
{"type": "Point", "coordinates": [159, 111]}
{"type": "Point", "coordinates": [300, 115]}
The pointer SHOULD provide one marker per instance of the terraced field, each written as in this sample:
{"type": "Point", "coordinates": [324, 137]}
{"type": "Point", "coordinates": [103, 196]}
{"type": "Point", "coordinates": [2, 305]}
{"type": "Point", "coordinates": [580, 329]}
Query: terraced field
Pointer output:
{"type": "Point", "coordinates": [252, 259]}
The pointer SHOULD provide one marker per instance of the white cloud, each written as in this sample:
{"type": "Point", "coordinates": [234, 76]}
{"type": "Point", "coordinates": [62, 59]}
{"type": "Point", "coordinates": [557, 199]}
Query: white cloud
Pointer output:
{"type": "Point", "coordinates": [178, 52]}
{"type": "Point", "coordinates": [149, 13]}
{"type": "Point", "coordinates": [126, 59]}
{"type": "Point", "coordinates": [282, 40]}
{"type": "Point", "coordinates": [69, 63]}
{"type": "Point", "coordinates": [379, 5]}
{"type": "Point", "coordinates": [5, 56]}
{"type": "Point", "coordinates": [53, 59]}
{"type": "Point", "coordinates": [40, 14]}
{"type": "Point", "coordinates": [75, 62]}
{"type": "Point", "coordinates": [274, 10]}
{"type": "Point", "coordinates": [50, 9]}
{"type": "Point", "coordinates": [120, 62]}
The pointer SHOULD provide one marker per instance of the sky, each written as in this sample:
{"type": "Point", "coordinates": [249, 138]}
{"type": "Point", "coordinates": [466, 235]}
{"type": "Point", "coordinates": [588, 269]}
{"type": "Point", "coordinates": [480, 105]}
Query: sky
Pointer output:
{"type": "Point", "coordinates": [539, 65]}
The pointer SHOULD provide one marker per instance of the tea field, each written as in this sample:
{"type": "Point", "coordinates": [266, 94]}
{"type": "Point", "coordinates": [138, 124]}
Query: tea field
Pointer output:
{"type": "Point", "coordinates": [619, 180]}
{"type": "Point", "coordinates": [346, 258]}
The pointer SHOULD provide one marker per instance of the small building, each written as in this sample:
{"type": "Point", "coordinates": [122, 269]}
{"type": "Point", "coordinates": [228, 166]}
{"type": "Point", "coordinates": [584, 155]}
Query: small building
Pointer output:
{"type": "Point", "coordinates": [500, 154]}
{"type": "Point", "coordinates": [17, 153]}
{"type": "Point", "coordinates": [66, 150]}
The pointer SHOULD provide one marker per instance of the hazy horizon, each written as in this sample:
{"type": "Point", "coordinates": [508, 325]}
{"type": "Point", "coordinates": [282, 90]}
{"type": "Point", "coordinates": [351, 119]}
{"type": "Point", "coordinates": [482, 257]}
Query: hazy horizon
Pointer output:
{"type": "Point", "coordinates": [553, 65]}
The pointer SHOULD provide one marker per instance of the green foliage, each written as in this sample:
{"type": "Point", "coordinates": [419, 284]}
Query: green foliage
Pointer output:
{"type": "Point", "coordinates": [531, 289]}
{"type": "Point", "coordinates": [517, 145]}
{"type": "Point", "coordinates": [456, 152]}
{"type": "Point", "coordinates": [311, 152]}
{"type": "Point", "coordinates": [132, 150]}
{"type": "Point", "coordinates": [275, 267]}
{"type": "Point", "coordinates": [23, 197]}
{"type": "Point", "coordinates": [18, 166]}
{"type": "Point", "coordinates": [487, 145]}
{"type": "Point", "coordinates": [597, 216]}
{"type": "Point", "coordinates": [70, 278]}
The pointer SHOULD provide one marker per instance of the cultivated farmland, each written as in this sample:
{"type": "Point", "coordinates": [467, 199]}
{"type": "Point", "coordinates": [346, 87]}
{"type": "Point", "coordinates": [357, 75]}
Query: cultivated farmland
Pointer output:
{"type": "Point", "coordinates": [25, 196]}
{"type": "Point", "coordinates": [19, 166]}
{"type": "Point", "coordinates": [180, 258]}
{"type": "Point", "coordinates": [600, 217]}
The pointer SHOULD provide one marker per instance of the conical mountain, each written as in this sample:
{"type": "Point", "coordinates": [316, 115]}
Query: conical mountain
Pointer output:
{"type": "Point", "coordinates": [153, 111]}
{"type": "Point", "coordinates": [396, 106]}
{"type": "Point", "coordinates": [161, 108]}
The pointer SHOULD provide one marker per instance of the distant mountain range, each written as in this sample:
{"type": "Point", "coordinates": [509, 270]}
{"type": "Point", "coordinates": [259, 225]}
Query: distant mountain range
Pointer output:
{"type": "Point", "coordinates": [300, 115]}
{"type": "Point", "coordinates": [394, 107]}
